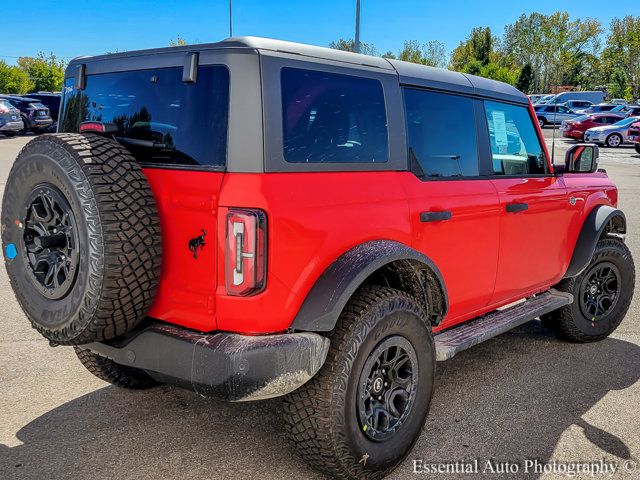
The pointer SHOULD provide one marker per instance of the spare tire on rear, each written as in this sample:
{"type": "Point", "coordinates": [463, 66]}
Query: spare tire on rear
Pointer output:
{"type": "Point", "coordinates": [81, 237]}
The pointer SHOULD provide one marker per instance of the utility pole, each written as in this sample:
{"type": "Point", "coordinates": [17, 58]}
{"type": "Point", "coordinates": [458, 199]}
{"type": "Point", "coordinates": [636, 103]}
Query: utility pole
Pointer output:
{"type": "Point", "coordinates": [230, 19]}
{"type": "Point", "coordinates": [357, 41]}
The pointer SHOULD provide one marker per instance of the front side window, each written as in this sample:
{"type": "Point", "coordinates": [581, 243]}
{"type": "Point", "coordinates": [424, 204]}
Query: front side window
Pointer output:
{"type": "Point", "coordinates": [441, 134]}
{"type": "Point", "coordinates": [515, 147]}
{"type": "Point", "coordinates": [160, 119]}
{"type": "Point", "coordinates": [332, 118]}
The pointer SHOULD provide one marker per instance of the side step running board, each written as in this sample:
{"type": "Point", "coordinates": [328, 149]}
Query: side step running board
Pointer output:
{"type": "Point", "coordinates": [466, 335]}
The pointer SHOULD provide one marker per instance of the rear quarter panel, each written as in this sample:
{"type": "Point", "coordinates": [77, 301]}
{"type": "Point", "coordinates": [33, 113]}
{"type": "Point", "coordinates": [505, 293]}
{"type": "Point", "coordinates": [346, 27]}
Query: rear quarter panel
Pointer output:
{"type": "Point", "coordinates": [312, 219]}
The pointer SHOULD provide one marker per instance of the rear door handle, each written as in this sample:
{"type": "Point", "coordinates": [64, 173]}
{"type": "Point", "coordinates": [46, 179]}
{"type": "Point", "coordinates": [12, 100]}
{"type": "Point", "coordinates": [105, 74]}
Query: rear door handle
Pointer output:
{"type": "Point", "coordinates": [517, 207]}
{"type": "Point", "coordinates": [435, 216]}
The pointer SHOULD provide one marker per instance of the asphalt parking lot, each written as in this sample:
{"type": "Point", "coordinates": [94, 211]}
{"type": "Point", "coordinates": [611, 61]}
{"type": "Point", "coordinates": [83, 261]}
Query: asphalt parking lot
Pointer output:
{"type": "Point", "coordinates": [522, 396]}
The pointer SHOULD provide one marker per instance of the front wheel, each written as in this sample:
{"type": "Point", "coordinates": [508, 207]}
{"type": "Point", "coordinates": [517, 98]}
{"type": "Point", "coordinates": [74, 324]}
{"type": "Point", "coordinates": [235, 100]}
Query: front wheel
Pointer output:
{"type": "Point", "coordinates": [361, 415]}
{"type": "Point", "coordinates": [637, 147]}
{"type": "Point", "coordinates": [542, 122]}
{"type": "Point", "coordinates": [602, 294]}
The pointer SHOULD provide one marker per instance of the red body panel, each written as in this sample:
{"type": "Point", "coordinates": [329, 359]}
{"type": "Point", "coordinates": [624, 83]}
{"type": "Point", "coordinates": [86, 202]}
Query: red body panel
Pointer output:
{"type": "Point", "coordinates": [465, 248]}
{"type": "Point", "coordinates": [312, 219]}
{"type": "Point", "coordinates": [187, 203]}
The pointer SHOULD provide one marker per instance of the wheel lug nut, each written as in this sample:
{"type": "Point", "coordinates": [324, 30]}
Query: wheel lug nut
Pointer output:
{"type": "Point", "coordinates": [386, 384]}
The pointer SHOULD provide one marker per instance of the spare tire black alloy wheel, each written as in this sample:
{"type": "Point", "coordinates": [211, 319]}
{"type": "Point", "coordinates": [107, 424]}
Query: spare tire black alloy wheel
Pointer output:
{"type": "Point", "coordinates": [81, 237]}
{"type": "Point", "coordinates": [50, 241]}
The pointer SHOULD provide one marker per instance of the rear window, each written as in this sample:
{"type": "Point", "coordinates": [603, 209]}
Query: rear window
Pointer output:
{"type": "Point", "coordinates": [159, 118]}
{"type": "Point", "coordinates": [332, 118]}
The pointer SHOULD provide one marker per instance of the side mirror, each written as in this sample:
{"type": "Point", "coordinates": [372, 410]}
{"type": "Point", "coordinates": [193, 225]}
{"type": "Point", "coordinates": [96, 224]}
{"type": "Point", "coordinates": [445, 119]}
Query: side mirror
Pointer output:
{"type": "Point", "coordinates": [581, 158]}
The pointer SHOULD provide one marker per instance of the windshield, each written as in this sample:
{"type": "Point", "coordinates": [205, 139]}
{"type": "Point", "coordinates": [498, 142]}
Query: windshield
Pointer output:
{"type": "Point", "coordinates": [581, 118]}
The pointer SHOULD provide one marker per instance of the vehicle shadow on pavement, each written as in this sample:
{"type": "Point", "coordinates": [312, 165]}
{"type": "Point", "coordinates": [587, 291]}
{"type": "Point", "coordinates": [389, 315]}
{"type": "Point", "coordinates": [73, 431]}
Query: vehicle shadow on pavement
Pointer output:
{"type": "Point", "coordinates": [508, 399]}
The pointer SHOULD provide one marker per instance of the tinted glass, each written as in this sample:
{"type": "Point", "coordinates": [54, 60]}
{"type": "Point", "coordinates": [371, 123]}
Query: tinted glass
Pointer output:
{"type": "Point", "coordinates": [515, 147]}
{"type": "Point", "coordinates": [328, 117]}
{"type": "Point", "coordinates": [160, 119]}
{"type": "Point", "coordinates": [441, 134]}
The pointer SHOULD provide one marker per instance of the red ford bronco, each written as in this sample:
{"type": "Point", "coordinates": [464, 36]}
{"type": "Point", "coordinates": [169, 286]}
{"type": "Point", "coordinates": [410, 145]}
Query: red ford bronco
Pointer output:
{"type": "Point", "coordinates": [255, 218]}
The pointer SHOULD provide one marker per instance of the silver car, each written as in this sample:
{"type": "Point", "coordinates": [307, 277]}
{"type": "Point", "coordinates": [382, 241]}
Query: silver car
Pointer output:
{"type": "Point", "coordinates": [553, 114]}
{"type": "Point", "coordinates": [10, 119]}
{"type": "Point", "coordinates": [611, 135]}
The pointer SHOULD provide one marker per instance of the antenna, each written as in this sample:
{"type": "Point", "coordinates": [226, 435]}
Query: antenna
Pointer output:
{"type": "Point", "coordinates": [230, 20]}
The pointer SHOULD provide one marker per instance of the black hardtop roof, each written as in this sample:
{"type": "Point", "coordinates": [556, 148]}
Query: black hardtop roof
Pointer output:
{"type": "Point", "coordinates": [409, 73]}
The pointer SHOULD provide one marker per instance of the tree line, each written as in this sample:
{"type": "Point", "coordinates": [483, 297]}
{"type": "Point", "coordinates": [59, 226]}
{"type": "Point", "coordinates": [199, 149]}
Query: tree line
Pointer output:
{"type": "Point", "coordinates": [539, 52]}
{"type": "Point", "coordinates": [535, 53]}
{"type": "Point", "coordinates": [32, 74]}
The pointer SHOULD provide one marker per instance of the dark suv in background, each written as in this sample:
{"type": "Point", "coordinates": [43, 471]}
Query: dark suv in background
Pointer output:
{"type": "Point", "coordinates": [51, 100]}
{"type": "Point", "coordinates": [35, 115]}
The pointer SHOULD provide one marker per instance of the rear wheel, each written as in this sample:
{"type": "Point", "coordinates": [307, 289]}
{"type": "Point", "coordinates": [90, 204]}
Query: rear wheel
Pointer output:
{"type": "Point", "coordinates": [602, 295]}
{"type": "Point", "coordinates": [637, 147]}
{"type": "Point", "coordinates": [109, 371]}
{"type": "Point", "coordinates": [361, 415]}
{"type": "Point", "coordinates": [542, 121]}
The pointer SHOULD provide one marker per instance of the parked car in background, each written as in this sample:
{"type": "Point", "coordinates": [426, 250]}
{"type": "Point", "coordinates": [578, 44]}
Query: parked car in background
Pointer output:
{"type": "Point", "coordinates": [34, 114]}
{"type": "Point", "coordinates": [618, 101]}
{"type": "Point", "coordinates": [593, 97]}
{"type": "Point", "coordinates": [576, 127]}
{"type": "Point", "coordinates": [534, 97]}
{"type": "Point", "coordinates": [10, 120]}
{"type": "Point", "coordinates": [576, 105]}
{"type": "Point", "coordinates": [634, 135]}
{"type": "Point", "coordinates": [50, 100]}
{"type": "Point", "coordinates": [601, 107]}
{"type": "Point", "coordinates": [544, 100]}
{"type": "Point", "coordinates": [553, 114]}
{"type": "Point", "coordinates": [611, 135]}
{"type": "Point", "coordinates": [632, 110]}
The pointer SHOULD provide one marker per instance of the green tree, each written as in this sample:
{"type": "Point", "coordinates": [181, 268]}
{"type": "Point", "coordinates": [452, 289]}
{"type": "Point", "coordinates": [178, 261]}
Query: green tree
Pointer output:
{"type": "Point", "coordinates": [431, 53]}
{"type": "Point", "coordinates": [525, 79]}
{"type": "Point", "coordinates": [45, 71]}
{"type": "Point", "coordinates": [478, 46]}
{"type": "Point", "coordinates": [548, 43]}
{"type": "Point", "coordinates": [618, 86]}
{"type": "Point", "coordinates": [622, 51]}
{"type": "Point", "coordinates": [389, 54]}
{"type": "Point", "coordinates": [13, 79]}
{"type": "Point", "coordinates": [349, 45]}
{"type": "Point", "coordinates": [178, 42]}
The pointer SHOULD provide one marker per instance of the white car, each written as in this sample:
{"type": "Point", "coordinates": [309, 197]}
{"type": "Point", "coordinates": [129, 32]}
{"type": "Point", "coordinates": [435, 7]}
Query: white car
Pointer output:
{"type": "Point", "coordinates": [611, 135]}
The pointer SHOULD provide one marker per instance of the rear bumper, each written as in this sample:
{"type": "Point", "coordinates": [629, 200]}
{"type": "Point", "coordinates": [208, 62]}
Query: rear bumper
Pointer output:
{"type": "Point", "coordinates": [12, 126]}
{"type": "Point", "coordinates": [226, 366]}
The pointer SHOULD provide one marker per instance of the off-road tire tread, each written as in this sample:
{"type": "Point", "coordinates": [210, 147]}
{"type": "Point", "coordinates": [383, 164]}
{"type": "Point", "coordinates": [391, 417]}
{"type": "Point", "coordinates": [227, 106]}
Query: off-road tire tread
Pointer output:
{"type": "Point", "coordinates": [308, 410]}
{"type": "Point", "coordinates": [109, 371]}
{"type": "Point", "coordinates": [562, 321]}
{"type": "Point", "coordinates": [128, 233]}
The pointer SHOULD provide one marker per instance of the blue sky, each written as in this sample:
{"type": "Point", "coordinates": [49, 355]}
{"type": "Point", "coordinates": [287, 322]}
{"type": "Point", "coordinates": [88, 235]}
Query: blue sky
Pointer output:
{"type": "Point", "coordinates": [78, 27]}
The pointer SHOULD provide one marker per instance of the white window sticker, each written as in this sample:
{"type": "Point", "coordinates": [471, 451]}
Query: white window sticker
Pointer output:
{"type": "Point", "coordinates": [500, 131]}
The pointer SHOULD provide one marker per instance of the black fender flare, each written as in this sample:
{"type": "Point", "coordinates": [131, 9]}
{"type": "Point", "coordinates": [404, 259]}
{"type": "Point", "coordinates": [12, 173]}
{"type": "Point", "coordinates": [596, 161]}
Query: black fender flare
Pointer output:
{"type": "Point", "coordinates": [333, 289]}
{"type": "Point", "coordinates": [592, 229]}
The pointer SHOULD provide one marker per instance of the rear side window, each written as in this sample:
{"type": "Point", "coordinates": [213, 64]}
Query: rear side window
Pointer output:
{"type": "Point", "coordinates": [332, 118]}
{"type": "Point", "coordinates": [441, 134]}
{"type": "Point", "coordinates": [515, 147]}
{"type": "Point", "coordinates": [159, 118]}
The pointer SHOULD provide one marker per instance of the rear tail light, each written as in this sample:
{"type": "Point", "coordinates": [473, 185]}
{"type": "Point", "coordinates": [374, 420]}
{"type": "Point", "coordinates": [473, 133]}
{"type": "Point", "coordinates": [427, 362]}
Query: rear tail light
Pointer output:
{"type": "Point", "coordinates": [245, 252]}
